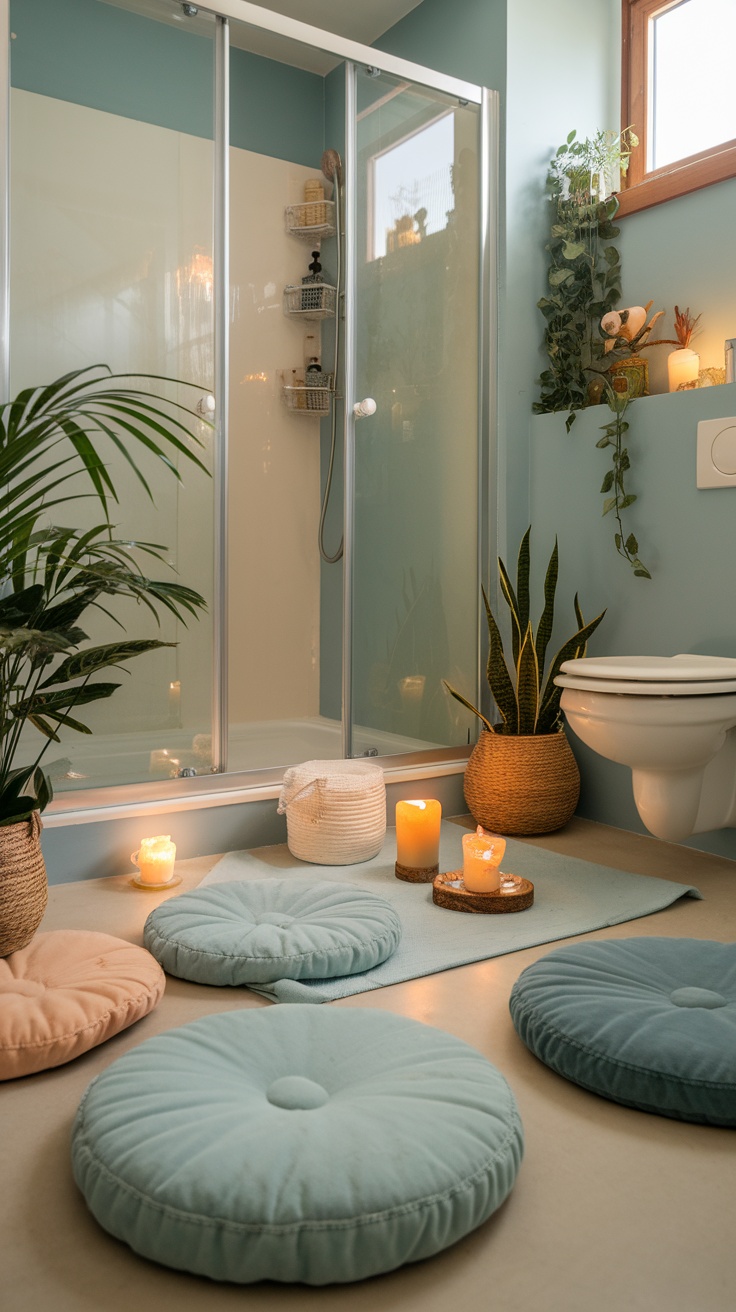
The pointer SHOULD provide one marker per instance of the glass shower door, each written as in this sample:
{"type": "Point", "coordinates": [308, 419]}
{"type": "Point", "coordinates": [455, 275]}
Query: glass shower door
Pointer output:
{"type": "Point", "coordinates": [112, 263]}
{"type": "Point", "coordinates": [415, 541]}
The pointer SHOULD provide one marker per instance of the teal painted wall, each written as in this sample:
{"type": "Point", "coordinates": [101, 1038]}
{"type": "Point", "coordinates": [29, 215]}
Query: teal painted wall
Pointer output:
{"type": "Point", "coordinates": [113, 60]}
{"type": "Point", "coordinates": [469, 42]}
{"type": "Point", "coordinates": [559, 69]}
{"type": "Point", "coordinates": [686, 538]}
{"type": "Point", "coordinates": [558, 78]}
{"type": "Point", "coordinates": [681, 253]}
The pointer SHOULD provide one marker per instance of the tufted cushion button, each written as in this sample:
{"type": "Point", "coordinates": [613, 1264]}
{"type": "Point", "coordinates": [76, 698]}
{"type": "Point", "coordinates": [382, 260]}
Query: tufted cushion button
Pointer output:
{"type": "Point", "coordinates": [296, 1093]}
{"type": "Point", "coordinates": [695, 997]}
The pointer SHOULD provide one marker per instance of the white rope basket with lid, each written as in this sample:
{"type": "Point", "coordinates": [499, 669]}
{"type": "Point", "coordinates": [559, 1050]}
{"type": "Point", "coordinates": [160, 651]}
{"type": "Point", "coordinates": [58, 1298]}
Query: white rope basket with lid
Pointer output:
{"type": "Point", "coordinates": [335, 811]}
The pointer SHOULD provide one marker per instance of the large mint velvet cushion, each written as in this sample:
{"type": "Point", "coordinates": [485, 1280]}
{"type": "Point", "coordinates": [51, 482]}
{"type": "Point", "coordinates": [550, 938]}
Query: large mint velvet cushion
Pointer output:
{"type": "Point", "coordinates": [647, 1022]}
{"type": "Point", "coordinates": [306, 1143]}
{"type": "Point", "coordinates": [258, 931]}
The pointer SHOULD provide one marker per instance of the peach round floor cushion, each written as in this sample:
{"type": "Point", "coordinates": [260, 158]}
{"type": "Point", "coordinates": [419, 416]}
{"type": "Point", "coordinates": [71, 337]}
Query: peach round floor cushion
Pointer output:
{"type": "Point", "coordinates": [68, 991]}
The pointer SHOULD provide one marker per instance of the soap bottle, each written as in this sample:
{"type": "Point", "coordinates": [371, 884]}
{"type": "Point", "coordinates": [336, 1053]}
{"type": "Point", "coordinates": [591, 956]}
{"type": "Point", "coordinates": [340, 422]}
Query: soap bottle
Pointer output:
{"type": "Point", "coordinates": [312, 285]}
{"type": "Point", "coordinates": [311, 352]}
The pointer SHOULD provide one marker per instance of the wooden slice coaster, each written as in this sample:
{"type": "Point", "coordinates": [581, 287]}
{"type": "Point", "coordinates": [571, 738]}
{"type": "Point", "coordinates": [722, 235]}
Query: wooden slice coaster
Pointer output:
{"type": "Point", "coordinates": [416, 874]}
{"type": "Point", "coordinates": [448, 891]}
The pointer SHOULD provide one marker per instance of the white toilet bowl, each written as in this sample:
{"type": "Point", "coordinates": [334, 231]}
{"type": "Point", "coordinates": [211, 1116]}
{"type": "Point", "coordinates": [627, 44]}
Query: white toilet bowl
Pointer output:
{"type": "Point", "coordinates": [672, 720]}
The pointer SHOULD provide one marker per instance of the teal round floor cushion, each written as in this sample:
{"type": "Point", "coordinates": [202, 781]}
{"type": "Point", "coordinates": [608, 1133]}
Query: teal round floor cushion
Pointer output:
{"type": "Point", "coordinates": [647, 1022]}
{"type": "Point", "coordinates": [305, 1143]}
{"type": "Point", "coordinates": [258, 931]}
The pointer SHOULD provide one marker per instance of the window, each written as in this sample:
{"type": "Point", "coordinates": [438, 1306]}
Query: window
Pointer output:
{"type": "Point", "coordinates": [678, 94]}
{"type": "Point", "coordinates": [412, 187]}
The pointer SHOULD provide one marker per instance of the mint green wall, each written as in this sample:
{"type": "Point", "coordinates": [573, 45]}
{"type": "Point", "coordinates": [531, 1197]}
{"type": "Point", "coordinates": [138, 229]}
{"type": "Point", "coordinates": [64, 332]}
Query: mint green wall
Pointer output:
{"type": "Point", "coordinates": [685, 536]}
{"type": "Point", "coordinates": [676, 253]}
{"type": "Point", "coordinates": [113, 60]}
{"type": "Point", "coordinates": [560, 69]}
{"type": "Point", "coordinates": [680, 252]}
{"type": "Point", "coordinates": [557, 79]}
{"type": "Point", "coordinates": [465, 40]}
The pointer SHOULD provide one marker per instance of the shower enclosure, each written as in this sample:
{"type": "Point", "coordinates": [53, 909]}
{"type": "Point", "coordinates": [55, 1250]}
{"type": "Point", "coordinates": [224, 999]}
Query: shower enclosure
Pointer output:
{"type": "Point", "coordinates": [160, 162]}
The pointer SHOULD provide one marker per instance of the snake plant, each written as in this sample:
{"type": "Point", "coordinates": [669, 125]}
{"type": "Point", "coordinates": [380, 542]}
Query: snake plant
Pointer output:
{"type": "Point", "coordinates": [51, 575]}
{"type": "Point", "coordinates": [528, 702]}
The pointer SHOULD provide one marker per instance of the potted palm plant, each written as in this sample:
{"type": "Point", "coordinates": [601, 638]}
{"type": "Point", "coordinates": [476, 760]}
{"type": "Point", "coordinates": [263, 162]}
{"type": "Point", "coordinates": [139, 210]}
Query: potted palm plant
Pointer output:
{"type": "Point", "coordinates": [51, 575]}
{"type": "Point", "coordinates": [522, 777]}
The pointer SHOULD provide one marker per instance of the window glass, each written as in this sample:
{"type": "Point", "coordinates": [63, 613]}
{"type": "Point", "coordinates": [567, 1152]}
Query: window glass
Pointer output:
{"type": "Point", "coordinates": [412, 187]}
{"type": "Point", "coordinates": [693, 106]}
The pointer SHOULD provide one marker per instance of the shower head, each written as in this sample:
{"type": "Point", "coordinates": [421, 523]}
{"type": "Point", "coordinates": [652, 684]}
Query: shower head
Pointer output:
{"type": "Point", "coordinates": [332, 166]}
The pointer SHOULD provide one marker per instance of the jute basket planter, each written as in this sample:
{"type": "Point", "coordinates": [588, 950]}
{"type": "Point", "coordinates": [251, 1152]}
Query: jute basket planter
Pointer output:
{"type": "Point", "coordinates": [23, 884]}
{"type": "Point", "coordinates": [522, 784]}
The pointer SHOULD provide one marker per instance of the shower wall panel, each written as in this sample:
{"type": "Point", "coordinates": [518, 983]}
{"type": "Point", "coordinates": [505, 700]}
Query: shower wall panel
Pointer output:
{"type": "Point", "coordinates": [273, 457]}
{"type": "Point", "coordinates": [111, 263]}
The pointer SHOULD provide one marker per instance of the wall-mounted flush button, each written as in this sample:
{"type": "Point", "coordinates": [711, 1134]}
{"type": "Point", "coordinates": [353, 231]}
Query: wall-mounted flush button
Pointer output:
{"type": "Point", "coordinates": [716, 453]}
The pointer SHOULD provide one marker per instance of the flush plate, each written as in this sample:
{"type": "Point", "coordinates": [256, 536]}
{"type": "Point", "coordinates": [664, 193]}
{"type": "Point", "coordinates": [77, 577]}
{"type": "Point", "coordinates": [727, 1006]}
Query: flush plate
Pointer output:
{"type": "Point", "coordinates": [716, 453]}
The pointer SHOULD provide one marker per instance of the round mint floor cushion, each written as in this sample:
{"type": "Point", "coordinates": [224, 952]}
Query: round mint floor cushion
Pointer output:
{"type": "Point", "coordinates": [647, 1022]}
{"type": "Point", "coordinates": [303, 1143]}
{"type": "Point", "coordinates": [258, 931]}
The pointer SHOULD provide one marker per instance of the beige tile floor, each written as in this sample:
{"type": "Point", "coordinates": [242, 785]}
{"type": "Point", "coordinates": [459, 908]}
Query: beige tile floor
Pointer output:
{"type": "Point", "coordinates": [613, 1210]}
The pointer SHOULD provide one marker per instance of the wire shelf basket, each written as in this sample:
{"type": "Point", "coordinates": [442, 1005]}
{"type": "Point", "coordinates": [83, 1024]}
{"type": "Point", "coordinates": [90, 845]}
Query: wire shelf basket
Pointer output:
{"type": "Point", "coordinates": [313, 399]}
{"type": "Point", "coordinates": [311, 300]}
{"type": "Point", "coordinates": [314, 218]}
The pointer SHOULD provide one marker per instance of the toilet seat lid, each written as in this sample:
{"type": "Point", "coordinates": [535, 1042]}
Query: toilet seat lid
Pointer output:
{"type": "Point", "coordinates": [673, 676]}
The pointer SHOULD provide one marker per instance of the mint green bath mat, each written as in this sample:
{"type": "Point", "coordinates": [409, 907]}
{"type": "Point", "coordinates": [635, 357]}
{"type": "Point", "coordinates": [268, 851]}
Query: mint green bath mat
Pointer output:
{"type": "Point", "coordinates": [570, 897]}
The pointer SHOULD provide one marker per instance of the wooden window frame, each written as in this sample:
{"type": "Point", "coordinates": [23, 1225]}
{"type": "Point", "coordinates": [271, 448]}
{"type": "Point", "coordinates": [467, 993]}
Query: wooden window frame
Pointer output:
{"type": "Point", "coordinates": [640, 188]}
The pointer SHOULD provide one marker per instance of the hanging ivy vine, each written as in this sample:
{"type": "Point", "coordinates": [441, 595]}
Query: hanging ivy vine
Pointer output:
{"type": "Point", "coordinates": [584, 271]}
{"type": "Point", "coordinates": [583, 336]}
{"type": "Point", "coordinates": [613, 486]}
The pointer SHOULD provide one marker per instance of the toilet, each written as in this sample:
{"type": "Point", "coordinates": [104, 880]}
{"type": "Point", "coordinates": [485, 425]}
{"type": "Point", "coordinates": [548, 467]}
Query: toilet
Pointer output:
{"type": "Point", "coordinates": [671, 719]}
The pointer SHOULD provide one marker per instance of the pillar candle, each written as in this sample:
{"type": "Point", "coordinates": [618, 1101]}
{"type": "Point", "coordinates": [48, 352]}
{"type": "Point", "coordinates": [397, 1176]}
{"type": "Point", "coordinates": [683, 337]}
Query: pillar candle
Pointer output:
{"type": "Point", "coordinates": [418, 833]}
{"type": "Point", "coordinates": [683, 366]}
{"type": "Point", "coordinates": [155, 859]}
{"type": "Point", "coordinates": [482, 855]}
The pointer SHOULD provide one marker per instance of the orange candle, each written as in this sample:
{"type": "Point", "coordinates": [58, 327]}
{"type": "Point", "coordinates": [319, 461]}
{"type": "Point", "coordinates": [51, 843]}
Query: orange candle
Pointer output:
{"type": "Point", "coordinates": [155, 859]}
{"type": "Point", "coordinates": [418, 833]}
{"type": "Point", "coordinates": [482, 855]}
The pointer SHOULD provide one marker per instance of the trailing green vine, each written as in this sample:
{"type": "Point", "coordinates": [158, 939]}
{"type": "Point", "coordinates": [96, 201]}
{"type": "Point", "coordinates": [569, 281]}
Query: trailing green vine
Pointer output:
{"type": "Point", "coordinates": [584, 266]}
{"type": "Point", "coordinates": [613, 487]}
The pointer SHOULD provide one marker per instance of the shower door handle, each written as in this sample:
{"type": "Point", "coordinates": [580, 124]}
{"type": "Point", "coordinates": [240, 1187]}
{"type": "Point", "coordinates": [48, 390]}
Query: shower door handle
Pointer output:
{"type": "Point", "coordinates": [362, 409]}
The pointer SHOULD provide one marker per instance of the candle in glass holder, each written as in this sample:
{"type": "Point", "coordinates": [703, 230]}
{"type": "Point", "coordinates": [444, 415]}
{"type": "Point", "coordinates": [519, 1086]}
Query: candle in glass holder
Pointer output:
{"type": "Point", "coordinates": [683, 366]}
{"type": "Point", "coordinates": [155, 859]}
{"type": "Point", "coordinates": [418, 833]}
{"type": "Point", "coordinates": [482, 855]}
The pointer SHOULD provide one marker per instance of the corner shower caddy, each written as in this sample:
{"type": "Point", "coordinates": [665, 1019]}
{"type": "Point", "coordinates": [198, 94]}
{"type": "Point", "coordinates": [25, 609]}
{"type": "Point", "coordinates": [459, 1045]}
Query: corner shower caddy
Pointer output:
{"type": "Point", "coordinates": [311, 219]}
{"type": "Point", "coordinates": [312, 399]}
{"type": "Point", "coordinates": [313, 300]}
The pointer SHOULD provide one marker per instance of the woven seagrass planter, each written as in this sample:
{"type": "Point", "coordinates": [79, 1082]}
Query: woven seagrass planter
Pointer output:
{"type": "Point", "coordinates": [23, 884]}
{"type": "Point", "coordinates": [522, 784]}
